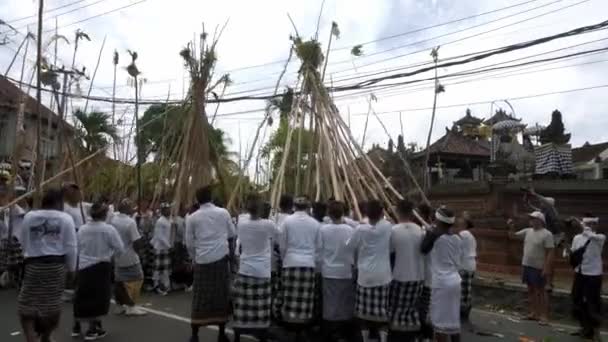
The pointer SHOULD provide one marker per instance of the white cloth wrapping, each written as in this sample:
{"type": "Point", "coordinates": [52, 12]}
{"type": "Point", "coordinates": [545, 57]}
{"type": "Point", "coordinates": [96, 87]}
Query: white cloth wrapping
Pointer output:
{"type": "Point", "coordinates": [445, 309]}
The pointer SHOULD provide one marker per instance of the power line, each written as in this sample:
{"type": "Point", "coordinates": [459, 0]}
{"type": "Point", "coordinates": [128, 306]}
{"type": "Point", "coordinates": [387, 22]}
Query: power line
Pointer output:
{"type": "Point", "coordinates": [431, 39]}
{"type": "Point", "coordinates": [374, 81]}
{"type": "Point", "coordinates": [397, 35]}
{"type": "Point", "coordinates": [99, 15]}
{"type": "Point", "coordinates": [488, 101]}
{"type": "Point", "coordinates": [47, 11]}
{"type": "Point", "coordinates": [63, 13]}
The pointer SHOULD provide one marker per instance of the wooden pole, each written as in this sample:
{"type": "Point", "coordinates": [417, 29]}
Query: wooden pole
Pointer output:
{"type": "Point", "coordinates": [86, 103]}
{"type": "Point", "coordinates": [39, 158]}
{"type": "Point", "coordinates": [115, 63]}
{"type": "Point", "coordinates": [16, 54]}
{"type": "Point", "coordinates": [427, 169]}
{"type": "Point", "coordinates": [138, 146]}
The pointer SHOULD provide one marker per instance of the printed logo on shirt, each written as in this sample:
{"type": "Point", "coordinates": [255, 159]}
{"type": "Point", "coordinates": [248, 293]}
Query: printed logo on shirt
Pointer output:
{"type": "Point", "coordinates": [47, 228]}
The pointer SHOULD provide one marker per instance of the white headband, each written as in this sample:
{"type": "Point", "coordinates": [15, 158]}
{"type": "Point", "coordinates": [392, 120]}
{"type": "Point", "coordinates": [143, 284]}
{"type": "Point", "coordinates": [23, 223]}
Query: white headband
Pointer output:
{"type": "Point", "coordinates": [588, 220]}
{"type": "Point", "coordinates": [445, 219]}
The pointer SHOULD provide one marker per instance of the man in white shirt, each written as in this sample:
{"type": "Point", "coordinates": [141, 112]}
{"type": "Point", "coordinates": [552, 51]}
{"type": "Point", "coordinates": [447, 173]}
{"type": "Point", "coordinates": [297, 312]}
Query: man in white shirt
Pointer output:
{"type": "Point", "coordinates": [162, 243]}
{"type": "Point", "coordinates": [337, 261]}
{"type": "Point", "coordinates": [537, 262]}
{"type": "Point", "coordinates": [208, 231]}
{"type": "Point", "coordinates": [252, 287]}
{"type": "Point", "coordinates": [444, 247]}
{"type": "Point", "coordinates": [587, 287]}
{"type": "Point", "coordinates": [128, 273]}
{"type": "Point", "coordinates": [299, 244]}
{"type": "Point", "coordinates": [73, 205]}
{"type": "Point", "coordinates": [11, 255]}
{"type": "Point", "coordinates": [98, 243]}
{"type": "Point", "coordinates": [371, 241]}
{"type": "Point", "coordinates": [408, 274]}
{"type": "Point", "coordinates": [48, 239]}
{"type": "Point", "coordinates": [468, 265]}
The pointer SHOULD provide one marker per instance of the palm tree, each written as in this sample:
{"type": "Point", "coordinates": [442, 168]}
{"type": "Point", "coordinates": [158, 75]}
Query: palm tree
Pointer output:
{"type": "Point", "coordinates": [96, 131]}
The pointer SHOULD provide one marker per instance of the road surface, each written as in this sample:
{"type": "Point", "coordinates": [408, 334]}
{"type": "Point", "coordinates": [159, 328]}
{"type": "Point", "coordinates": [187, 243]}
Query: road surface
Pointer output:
{"type": "Point", "coordinates": [168, 321]}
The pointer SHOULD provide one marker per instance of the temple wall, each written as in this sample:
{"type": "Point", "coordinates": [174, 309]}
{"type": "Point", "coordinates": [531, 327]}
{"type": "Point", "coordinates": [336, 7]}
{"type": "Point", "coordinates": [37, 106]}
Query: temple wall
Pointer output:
{"type": "Point", "coordinates": [491, 204]}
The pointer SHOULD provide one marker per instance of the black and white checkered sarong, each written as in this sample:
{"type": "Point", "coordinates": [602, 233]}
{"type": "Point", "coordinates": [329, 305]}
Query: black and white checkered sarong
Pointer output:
{"type": "Point", "coordinates": [372, 303]}
{"type": "Point", "coordinates": [404, 298]}
{"type": "Point", "coordinates": [298, 287]}
{"type": "Point", "coordinates": [277, 298]}
{"type": "Point", "coordinates": [466, 296]}
{"type": "Point", "coordinates": [251, 302]}
{"type": "Point", "coordinates": [162, 262]}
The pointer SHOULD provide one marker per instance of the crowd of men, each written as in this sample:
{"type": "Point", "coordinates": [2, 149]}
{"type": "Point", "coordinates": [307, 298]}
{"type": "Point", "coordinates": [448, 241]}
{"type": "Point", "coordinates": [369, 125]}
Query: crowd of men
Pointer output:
{"type": "Point", "coordinates": [407, 278]}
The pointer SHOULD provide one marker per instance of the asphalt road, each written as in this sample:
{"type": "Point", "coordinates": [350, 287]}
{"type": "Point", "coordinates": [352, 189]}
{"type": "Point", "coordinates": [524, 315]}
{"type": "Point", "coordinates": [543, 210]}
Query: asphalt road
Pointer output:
{"type": "Point", "coordinates": [168, 321]}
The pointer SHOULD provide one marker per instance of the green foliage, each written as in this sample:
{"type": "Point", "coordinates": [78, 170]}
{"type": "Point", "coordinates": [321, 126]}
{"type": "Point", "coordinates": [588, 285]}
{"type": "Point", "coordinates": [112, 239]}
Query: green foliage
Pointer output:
{"type": "Point", "coordinates": [274, 150]}
{"type": "Point", "coordinates": [309, 52]}
{"type": "Point", "coordinates": [95, 130]}
{"type": "Point", "coordinates": [162, 127]}
{"type": "Point", "coordinates": [283, 103]}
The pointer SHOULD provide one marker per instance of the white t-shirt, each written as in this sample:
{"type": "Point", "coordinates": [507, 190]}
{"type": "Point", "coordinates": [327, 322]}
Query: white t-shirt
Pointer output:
{"type": "Point", "coordinates": [372, 245]}
{"type": "Point", "coordinates": [278, 219]}
{"type": "Point", "coordinates": [255, 238]}
{"type": "Point", "coordinates": [469, 251]}
{"type": "Point", "coordinates": [536, 242]}
{"type": "Point", "coordinates": [592, 258]}
{"type": "Point", "coordinates": [337, 259]}
{"type": "Point", "coordinates": [409, 261]}
{"type": "Point", "coordinates": [49, 233]}
{"type": "Point", "coordinates": [161, 238]}
{"type": "Point", "coordinates": [75, 213]}
{"type": "Point", "coordinates": [97, 242]}
{"type": "Point", "coordinates": [445, 261]}
{"type": "Point", "coordinates": [127, 229]}
{"type": "Point", "coordinates": [299, 240]}
{"type": "Point", "coordinates": [207, 233]}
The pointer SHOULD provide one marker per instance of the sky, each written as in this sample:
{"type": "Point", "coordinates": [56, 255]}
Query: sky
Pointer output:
{"type": "Point", "coordinates": [395, 34]}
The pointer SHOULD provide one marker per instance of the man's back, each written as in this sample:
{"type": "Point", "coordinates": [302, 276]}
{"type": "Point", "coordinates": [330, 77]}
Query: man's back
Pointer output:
{"type": "Point", "coordinates": [207, 233]}
{"type": "Point", "coordinates": [299, 240]}
{"type": "Point", "coordinates": [337, 259]}
{"type": "Point", "coordinates": [373, 251]}
{"type": "Point", "coordinates": [405, 243]}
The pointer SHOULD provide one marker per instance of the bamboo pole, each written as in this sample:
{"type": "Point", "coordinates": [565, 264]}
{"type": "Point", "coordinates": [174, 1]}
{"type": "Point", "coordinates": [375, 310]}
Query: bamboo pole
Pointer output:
{"type": "Point", "coordinates": [86, 103]}
{"type": "Point", "coordinates": [39, 157]}
{"type": "Point", "coordinates": [10, 65]}
{"type": "Point", "coordinates": [115, 63]}
{"type": "Point", "coordinates": [427, 169]}
{"type": "Point", "coordinates": [138, 146]}
{"type": "Point", "coordinates": [52, 179]}
{"type": "Point", "coordinates": [257, 132]}
{"type": "Point", "coordinates": [299, 153]}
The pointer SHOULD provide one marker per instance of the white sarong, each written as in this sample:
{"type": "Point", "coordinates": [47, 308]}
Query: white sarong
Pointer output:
{"type": "Point", "coordinates": [445, 309]}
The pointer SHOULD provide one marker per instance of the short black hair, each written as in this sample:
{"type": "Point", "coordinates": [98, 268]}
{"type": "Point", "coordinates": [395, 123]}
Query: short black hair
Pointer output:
{"type": "Point", "coordinates": [253, 205]}
{"type": "Point", "coordinates": [425, 210]}
{"type": "Point", "coordinates": [194, 208]}
{"type": "Point", "coordinates": [363, 208]}
{"type": "Point", "coordinates": [375, 210]}
{"type": "Point", "coordinates": [302, 204]}
{"type": "Point", "coordinates": [286, 202]}
{"type": "Point", "coordinates": [404, 208]}
{"type": "Point", "coordinates": [52, 199]}
{"type": "Point", "coordinates": [98, 211]}
{"type": "Point", "coordinates": [335, 210]}
{"type": "Point", "coordinates": [204, 195]}
{"type": "Point", "coordinates": [319, 210]}
{"type": "Point", "coordinates": [266, 209]}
